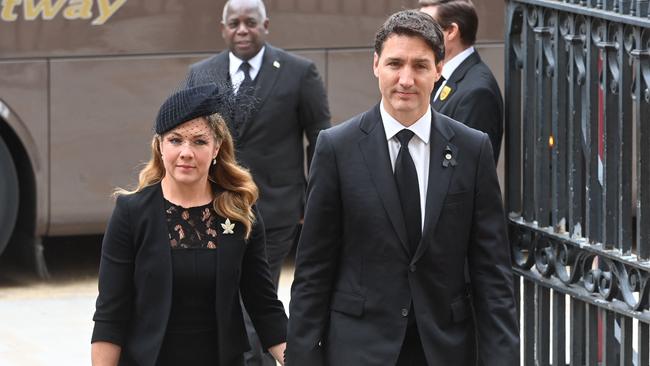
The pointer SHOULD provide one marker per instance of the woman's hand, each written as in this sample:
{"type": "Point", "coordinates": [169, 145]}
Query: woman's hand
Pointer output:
{"type": "Point", "coordinates": [105, 354]}
{"type": "Point", "coordinates": [277, 352]}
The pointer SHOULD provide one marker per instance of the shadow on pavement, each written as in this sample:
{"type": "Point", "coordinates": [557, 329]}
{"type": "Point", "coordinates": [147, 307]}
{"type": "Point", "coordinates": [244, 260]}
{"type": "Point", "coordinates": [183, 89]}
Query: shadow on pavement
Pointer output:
{"type": "Point", "coordinates": [68, 259]}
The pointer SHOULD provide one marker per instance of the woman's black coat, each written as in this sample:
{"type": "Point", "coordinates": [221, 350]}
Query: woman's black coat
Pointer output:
{"type": "Point", "coordinates": [135, 283]}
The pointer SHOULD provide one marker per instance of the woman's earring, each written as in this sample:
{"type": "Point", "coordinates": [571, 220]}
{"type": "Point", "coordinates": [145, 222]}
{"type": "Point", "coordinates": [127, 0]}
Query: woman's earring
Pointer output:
{"type": "Point", "coordinates": [214, 161]}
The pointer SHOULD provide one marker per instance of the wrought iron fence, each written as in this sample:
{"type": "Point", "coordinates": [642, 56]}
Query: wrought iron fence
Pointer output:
{"type": "Point", "coordinates": [578, 178]}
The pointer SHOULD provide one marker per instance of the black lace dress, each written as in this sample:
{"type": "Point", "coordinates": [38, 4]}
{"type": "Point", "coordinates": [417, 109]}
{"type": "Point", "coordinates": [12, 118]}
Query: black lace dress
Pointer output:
{"type": "Point", "coordinates": [191, 337]}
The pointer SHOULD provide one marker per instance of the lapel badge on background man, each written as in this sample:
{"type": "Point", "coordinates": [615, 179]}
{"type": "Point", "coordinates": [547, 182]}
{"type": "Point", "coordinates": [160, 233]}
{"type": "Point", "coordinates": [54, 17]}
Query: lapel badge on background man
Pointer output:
{"type": "Point", "coordinates": [448, 158]}
{"type": "Point", "coordinates": [444, 93]}
{"type": "Point", "coordinates": [228, 227]}
{"type": "Point", "coordinates": [276, 64]}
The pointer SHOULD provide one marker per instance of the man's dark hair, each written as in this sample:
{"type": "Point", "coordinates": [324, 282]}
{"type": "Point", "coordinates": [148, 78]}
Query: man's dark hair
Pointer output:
{"type": "Point", "coordinates": [412, 23]}
{"type": "Point", "coordinates": [461, 12]}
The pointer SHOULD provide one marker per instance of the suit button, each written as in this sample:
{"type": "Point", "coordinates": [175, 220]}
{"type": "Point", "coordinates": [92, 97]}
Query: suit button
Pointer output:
{"type": "Point", "coordinates": [412, 268]}
{"type": "Point", "coordinates": [405, 312]}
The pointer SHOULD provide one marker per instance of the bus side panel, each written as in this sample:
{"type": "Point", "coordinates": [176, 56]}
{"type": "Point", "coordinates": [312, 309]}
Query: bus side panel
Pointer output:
{"type": "Point", "coordinates": [352, 84]}
{"type": "Point", "coordinates": [157, 26]}
{"type": "Point", "coordinates": [23, 89]}
{"type": "Point", "coordinates": [102, 118]}
{"type": "Point", "coordinates": [135, 27]}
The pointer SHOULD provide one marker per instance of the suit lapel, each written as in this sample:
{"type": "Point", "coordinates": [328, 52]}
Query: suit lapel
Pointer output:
{"type": "Point", "coordinates": [222, 66]}
{"type": "Point", "coordinates": [265, 80]}
{"type": "Point", "coordinates": [216, 70]}
{"type": "Point", "coordinates": [439, 178]}
{"type": "Point", "coordinates": [160, 248]}
{"type": "Point", "coordinates": [374, 148]}
{"type": "Point", "coordinates": [448, 90]}
{"type": "Point", "coordinates": [455, 78]}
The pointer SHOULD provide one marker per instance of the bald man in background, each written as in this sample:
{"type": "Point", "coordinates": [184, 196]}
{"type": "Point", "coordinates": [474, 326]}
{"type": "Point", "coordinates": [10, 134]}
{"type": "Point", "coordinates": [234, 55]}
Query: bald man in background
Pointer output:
{"type": "Point", "coordinates": [288, 102]}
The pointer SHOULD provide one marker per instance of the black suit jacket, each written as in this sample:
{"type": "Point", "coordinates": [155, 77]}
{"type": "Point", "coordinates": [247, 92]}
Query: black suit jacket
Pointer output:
{"type": "Point", "coordinates": [475, 99]}
{"type": "Point", "coordinates": [135, 284]}
{"type": "Point", "coordinates": [291, 100]}
{"type": "Point", "coordinates": [355, 279]}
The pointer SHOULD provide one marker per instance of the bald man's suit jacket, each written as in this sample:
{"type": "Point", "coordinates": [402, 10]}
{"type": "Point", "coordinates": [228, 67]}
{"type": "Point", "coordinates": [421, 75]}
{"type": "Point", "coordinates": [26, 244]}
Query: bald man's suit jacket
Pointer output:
{"type": "Point", "coordinates": [290, 100]}
{"type": "Point", "coordinates": [474, 99]}
{"type": "Point", "coordinates": [355, 278]}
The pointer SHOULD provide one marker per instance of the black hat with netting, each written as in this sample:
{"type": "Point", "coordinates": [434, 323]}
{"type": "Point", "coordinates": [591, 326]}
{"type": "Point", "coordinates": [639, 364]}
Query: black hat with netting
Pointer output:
{"type": "Point", "coordinates": [189, 103]}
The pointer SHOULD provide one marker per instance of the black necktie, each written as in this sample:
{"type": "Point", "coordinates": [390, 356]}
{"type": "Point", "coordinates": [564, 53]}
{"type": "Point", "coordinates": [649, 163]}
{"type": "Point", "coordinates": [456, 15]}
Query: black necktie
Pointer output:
{"type": "Point", "coordinates": [247, 83]}
{"type": "Point", "coordinates": [408, 188]}
{"type": "Point", "coordinates": [244, 92]}
{"type": "Point", "coordinates": [438, 84]}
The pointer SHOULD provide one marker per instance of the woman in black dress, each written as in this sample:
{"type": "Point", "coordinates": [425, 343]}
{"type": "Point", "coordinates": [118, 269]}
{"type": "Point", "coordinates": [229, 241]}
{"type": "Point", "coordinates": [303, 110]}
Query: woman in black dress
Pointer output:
{"type": "Point", "coordinates": [181, 248]}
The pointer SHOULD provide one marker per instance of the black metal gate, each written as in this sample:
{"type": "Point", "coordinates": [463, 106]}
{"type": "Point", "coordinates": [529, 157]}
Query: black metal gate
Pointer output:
{"type": "Point", "coordinates": [578, 178]}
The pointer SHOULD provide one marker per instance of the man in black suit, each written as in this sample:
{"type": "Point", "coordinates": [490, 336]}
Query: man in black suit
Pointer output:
{"type": "Point", "coordinates": [467, 90]}
{"type": "Point", "coordinates": [399, 197]}
{"type": "Point", "coordinates": [288, 100]}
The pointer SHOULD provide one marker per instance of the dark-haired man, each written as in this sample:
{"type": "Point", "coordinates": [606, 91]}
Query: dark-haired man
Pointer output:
{"type": "Point", "coordinates": [399, 198]}
{"type": "Point", "coordinates": [467, 90]}
{"type": "Point", "coordinates": [289, 101]}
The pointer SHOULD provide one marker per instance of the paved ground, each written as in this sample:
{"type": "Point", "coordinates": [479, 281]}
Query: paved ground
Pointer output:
{"type": "Point", "coordinates": [50, 322]}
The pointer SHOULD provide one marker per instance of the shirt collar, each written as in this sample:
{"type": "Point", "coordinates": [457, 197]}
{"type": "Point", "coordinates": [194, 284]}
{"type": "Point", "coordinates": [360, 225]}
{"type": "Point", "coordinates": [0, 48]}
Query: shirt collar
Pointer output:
{"type": "Point", "coordinates": [450, 66]}
{"type": "Point", "coordinates": [255, 62]}
{"type": "Point", "coordinates": [421, 127]}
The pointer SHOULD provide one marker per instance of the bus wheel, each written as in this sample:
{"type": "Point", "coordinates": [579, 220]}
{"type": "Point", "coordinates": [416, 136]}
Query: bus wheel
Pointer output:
{"type": "Point", "coordinates": [8, 195]}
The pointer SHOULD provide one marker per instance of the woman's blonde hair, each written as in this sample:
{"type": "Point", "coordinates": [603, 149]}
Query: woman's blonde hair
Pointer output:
{"type": "Point", "coordinates": [239, 192]}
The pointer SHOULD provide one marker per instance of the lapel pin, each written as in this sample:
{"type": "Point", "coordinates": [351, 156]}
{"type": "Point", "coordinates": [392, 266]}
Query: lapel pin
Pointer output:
{"type": "Point", "coordinates": [448, 158]}
{"type": "Point", "coordinates": [276, 64]}
{"type": "Point", "coordinates": [445, 92]}
{"type": "Point", "coordinates": [228, 227]}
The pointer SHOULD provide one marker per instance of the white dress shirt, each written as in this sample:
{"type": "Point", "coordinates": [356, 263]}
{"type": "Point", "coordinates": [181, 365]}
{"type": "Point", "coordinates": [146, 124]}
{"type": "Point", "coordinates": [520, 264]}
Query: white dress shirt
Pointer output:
{"type": "Point", "coordinates": [450, 66]}
{"type": "Point", "coordinates": [236, 75]}
{"type": "Point", "coordinates": [418, 148]}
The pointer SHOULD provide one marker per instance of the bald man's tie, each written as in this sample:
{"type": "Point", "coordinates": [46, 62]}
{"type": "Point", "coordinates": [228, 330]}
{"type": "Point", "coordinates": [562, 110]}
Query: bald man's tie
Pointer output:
{"type": "Point", "coordinates": [244, 94]}
{"type": "Point", "coordinates": [247, 83]}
